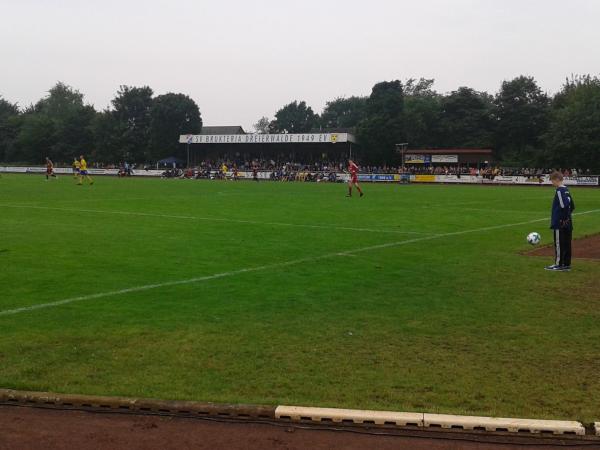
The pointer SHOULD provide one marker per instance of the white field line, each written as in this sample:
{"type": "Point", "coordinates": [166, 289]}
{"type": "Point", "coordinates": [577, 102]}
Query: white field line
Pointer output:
{"type": "Point", "coordinates": [217, 219]}
{"type": "Point", "coordinates": [454, 204]}
{"type": "Point", "coordinates": [508, 211]}
{"type": "Point", "coordinates": [352, 252]}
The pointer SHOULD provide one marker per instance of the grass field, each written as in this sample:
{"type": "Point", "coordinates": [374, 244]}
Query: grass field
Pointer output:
{"type": "Point", "coordinates": [412, 298]}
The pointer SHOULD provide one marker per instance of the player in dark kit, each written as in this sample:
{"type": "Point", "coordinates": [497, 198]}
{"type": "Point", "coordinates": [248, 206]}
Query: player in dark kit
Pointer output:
{"type": "Point", "coordinates": [49, 169]}
{"type": "Point", "coordinates": [562, 224]}
{"type": "Point", "coordinates": [353, 169]}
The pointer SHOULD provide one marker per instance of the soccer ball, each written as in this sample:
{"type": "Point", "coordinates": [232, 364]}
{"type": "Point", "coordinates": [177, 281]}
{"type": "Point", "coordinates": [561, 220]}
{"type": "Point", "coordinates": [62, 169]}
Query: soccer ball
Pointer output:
{"type": "Point", "coordinates": [534, 238]}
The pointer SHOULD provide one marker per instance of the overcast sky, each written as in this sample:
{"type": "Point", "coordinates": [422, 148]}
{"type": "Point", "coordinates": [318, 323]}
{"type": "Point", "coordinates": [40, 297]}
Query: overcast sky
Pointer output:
{"type": "Point", "coordinates": [240, 60]}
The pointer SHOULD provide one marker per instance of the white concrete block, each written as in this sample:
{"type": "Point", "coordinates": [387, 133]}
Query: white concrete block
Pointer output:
{"type": "Point", "coordinates": [334, 415]}
{"type": "Point", "coordinates": [503, 424]}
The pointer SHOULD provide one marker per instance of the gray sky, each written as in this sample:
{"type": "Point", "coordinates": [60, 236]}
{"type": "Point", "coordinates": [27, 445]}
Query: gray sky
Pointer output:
{"type": "Point", "coordinates": [243, 59]}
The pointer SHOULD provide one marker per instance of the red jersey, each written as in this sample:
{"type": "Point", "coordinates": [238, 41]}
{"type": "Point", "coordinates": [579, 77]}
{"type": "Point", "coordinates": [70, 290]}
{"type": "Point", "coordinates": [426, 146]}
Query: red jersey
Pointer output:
{"type": "Point", "coordinates": [353, 169]}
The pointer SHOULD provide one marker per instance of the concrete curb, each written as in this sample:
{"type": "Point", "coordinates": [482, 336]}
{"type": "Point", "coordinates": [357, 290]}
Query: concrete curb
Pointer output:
{"type": "Point", "coordinates": [504, 424]}
{"type": "Point", "coordinates": [349, 416]}
{"type": "Point", "coordinates": [471, 423]}
{"type": "Point", "coordinates": [405, 420]}
{"type": "Point", "coordinates": [127, 404]}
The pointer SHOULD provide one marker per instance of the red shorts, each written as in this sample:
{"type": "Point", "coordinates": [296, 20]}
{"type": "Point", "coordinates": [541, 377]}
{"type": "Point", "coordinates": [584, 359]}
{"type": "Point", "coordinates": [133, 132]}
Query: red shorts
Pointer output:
{"type": "Point", "coordinates": [49, 171]}
{"type": "Point", "coordinates": [354, 179]}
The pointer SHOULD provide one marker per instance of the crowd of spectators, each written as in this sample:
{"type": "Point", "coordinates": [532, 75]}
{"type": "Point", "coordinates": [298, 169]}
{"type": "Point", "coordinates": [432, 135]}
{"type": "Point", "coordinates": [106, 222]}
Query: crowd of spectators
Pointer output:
{"type": "Point", "coordinates": [282, 170]}
{"type": "Point", "coordinates": [276, 172]}
{"type": "Point", "coordinates": [329, 170]}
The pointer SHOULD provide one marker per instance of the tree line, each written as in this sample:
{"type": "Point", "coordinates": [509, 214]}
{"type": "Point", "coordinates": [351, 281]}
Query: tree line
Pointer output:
{"type": "Point", "coordinates": [139, 127]}
{"type": "Point", "coordinates": [522, 124]}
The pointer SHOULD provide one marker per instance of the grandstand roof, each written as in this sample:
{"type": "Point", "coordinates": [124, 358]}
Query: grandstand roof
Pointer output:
{"type": "Point", "coordinates": [235, 129]}
{"type": "Point", "coordinates": [454, 151]}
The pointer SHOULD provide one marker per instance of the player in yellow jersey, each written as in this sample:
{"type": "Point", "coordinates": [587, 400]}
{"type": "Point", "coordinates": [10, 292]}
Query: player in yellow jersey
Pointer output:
{"type": "Point", "coordinates": [83, 171]}
{"type": "Point", "coordinates": [224, 171]}
{"type": "Point", "coordinates": [76, 165]}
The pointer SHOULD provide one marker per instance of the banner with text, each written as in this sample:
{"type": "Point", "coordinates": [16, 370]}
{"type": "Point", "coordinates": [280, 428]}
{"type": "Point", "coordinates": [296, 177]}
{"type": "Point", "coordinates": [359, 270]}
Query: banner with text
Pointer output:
{"type": "Point", "coordinates": [306, 138]}
{"type": "Point", "coordinates": [444, 158]}
{"type": "Point", "coordinates": [417, 159]}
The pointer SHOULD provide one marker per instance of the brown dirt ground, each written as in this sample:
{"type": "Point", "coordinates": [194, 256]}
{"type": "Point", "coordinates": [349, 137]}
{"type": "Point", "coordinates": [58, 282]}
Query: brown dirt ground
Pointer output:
{"type": "Point", "coordinates": [583, 248]}
{"type": "Point", "coordinates": [49, 429]}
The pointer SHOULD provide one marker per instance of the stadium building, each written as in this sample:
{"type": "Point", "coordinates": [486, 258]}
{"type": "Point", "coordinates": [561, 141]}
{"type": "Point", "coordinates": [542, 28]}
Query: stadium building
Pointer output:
{"type": "Point", "coordinates": [231, 142]}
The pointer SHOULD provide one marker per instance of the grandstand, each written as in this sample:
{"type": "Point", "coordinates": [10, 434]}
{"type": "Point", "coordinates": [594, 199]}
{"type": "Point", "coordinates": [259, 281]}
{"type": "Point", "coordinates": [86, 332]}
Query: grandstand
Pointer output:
{"type": "Point", "coordinates": [231, 142]}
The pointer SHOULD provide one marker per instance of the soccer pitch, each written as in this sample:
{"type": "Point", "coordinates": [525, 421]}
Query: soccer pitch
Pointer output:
{"type": "Point", "coordinates": [412, 298]}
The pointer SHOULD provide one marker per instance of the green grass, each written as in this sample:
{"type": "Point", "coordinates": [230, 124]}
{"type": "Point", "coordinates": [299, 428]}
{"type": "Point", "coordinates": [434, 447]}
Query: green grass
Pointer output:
{"type": "Point", "coordinates": [459, 324]}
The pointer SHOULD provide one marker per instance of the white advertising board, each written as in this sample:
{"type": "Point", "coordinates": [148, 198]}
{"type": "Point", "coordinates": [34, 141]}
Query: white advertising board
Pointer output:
{"type": "Point", "coordinates": [305, 138]}
{"type": "Point", "coordinates": [444, 158]}
{"type": "Point", "coordinates": [372, 177]}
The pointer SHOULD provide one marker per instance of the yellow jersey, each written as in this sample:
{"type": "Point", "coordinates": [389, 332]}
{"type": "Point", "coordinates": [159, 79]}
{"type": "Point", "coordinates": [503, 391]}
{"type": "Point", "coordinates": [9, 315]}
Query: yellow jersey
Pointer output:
{"type": "Point", "coordinates": [76, 164]}
{"type": "Point", "coordinates": [83, 164]}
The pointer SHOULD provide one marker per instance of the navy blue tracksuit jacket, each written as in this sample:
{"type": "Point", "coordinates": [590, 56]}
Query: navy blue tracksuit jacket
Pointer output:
{"type": "Point", "coordinates": [562, 207]}
{"type": "Point", "coordinates": [562, 224]}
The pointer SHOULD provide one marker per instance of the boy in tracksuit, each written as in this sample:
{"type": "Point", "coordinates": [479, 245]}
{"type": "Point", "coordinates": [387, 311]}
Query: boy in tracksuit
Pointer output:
{"type": "Point", "coordinates": [561, 224]}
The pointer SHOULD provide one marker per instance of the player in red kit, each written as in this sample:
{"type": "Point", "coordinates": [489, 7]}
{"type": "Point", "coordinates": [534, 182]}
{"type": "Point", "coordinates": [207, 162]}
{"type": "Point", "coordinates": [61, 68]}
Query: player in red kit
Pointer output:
{"type": "Point", "coordinates": [353, 169]}
{"type": "Point", "coordinates": [50, 169]}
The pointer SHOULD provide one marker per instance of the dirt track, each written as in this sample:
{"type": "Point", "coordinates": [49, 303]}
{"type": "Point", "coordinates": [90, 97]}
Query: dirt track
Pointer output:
{"type": "Point", "coordinates": [35, 428]}
{"type": "Point", "coordinates": [584, 248]}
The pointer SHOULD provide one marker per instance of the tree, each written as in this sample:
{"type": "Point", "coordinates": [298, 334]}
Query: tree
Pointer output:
{"type": "Point", "coordinates": [387, 99]}
{"type": "Point", "coordinates": [522, 111]}
{"type": "Point", "coordinates": [58, 126]}
{"type": "Point", "coordinates": [7, 109]}
{"type": "Point", "coordinates": [422, 110]}
{"type": "Point", "coordinates": [295, 117]}
{"type": "Point", "coordinates": [61, 99]}
{"type": "Point", "coordinates": [344, 112]}
{"type": "Point", "coordinates": [467, 119]}
{"type": "Point", "coordinates": [171, 116]}
{"type": "Point", "coordinates": [35, 139]}
{"type": "Point", "coordinates": [107, 134]}
{"type": "Point", "coordinates": [383, 126]}
{"type": "Point", "coordinates": [9, 124]}
{"type": "Point", "coordinates": [421, 87]}
{"type": "Point", "coordinates": [262, 126]}
{"type": "Point", "coordinates": [573, 138]}
{"type": "Point", "coordinates": [132, 110]}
